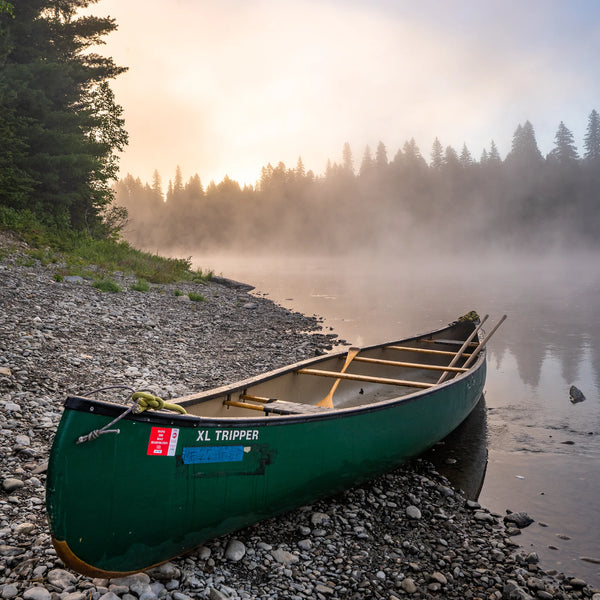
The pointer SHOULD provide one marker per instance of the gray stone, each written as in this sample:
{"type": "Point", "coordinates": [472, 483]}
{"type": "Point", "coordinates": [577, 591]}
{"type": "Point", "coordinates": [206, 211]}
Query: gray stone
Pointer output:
{"type": "Point", "coordinates": [520, 519]}
{"type": "Point", "coordinates": [61, 578]}
{"type": "Point", "coordinates": [10, 484]}
{"type": "Point", "coordinates": [412, 512]}
{"type": "Point", "coordinates": [319, 518]}
{"type": "Point", "coordinates": [36, 593]}
{"type": "Point", "coordinates": [109, 596]}
{"type": "Point", "coordinates": [284, 557]}
{"type": "Point", "coordinates": [24, 528]}
{"type": "Point", "coordinates": [165, 572]}
{"type": "Point", "coordinates": [408, 585]}
{"type": "Point", "coordinates": [9, 591]}
{"type": "Point", "coordinates": [235, 550]}
{"type": "Point", "coordinates": [215, 594]}
{"type": "Point", "coordinates": [6, 550]}
{"type": "Point", "coordinates": [305, 544]}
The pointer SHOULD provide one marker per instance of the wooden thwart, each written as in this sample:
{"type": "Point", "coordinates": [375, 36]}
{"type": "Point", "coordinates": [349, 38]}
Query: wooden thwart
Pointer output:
{"type": "Point", "coordinates": [365, 378]}
{"type": "Point", "coordinates": [395, 363]}
{"type": "Point", "coordinates": [425, 350]}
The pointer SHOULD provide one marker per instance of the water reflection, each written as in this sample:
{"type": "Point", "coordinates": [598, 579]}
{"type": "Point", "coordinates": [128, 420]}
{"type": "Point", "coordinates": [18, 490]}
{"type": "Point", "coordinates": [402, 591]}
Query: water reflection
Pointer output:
{"type": "Point", "coordinates": [462, 456]}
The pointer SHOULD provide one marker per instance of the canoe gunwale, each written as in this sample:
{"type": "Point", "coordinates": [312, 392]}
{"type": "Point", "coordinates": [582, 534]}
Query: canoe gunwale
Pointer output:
{"type": "Point", "coordinates": [110, 409]}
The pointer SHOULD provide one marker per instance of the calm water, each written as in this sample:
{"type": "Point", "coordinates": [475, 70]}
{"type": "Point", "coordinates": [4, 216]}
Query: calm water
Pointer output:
{"type": "Point", "coordinates": [543, 451]}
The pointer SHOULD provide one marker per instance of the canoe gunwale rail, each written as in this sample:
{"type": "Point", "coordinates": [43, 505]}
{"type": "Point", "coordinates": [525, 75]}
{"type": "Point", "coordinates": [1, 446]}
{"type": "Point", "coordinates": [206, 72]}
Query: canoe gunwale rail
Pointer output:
{"type": "Point", "coordinates": [272, 416]}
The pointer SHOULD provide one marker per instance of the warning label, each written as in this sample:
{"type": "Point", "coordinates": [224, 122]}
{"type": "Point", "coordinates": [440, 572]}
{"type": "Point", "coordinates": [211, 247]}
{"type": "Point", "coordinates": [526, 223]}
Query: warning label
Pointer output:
{"type": "Point", "coordinates": [163, 441]}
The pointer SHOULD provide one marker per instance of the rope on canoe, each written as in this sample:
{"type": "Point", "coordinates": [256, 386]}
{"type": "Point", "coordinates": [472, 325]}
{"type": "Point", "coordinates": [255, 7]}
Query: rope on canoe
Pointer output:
{"type": "Point", "coordinates": [141, 401]}
{"type": "Point", "coordinates": [146, 401]}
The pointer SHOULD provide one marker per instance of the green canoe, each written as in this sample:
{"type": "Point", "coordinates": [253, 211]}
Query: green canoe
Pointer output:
{"type": "Point", "coordinates": [129, 489]}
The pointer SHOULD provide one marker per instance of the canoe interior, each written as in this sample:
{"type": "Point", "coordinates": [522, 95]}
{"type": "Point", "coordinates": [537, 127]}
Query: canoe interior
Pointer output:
{"type": "Point", "coordinates": [291, 386]}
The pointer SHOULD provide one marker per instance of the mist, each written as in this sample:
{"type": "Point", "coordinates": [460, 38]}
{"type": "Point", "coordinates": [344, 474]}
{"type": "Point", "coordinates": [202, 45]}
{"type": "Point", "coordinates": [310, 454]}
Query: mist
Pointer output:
{"type": "Point", "coordinates": [394, 206]}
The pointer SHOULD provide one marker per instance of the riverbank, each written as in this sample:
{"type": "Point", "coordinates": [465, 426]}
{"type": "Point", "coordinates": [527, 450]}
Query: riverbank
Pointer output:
{"type": "Point", "coordinates": [407, 534]}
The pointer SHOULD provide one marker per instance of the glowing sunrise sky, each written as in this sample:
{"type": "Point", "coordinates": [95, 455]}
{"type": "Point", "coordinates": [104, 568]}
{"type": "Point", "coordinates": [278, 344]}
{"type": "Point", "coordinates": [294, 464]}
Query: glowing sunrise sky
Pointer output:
{"type": "Point", "coordinates": [227, 86]}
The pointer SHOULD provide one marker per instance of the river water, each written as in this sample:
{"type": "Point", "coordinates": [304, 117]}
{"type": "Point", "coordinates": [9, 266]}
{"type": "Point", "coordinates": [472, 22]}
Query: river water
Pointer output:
{"type": "Point", "coordinates": [543, 450]}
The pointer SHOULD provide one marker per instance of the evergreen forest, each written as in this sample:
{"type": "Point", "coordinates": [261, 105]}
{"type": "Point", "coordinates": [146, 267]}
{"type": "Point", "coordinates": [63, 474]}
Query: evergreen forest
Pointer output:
{"type": "Point", "coordinates": [451, 201]}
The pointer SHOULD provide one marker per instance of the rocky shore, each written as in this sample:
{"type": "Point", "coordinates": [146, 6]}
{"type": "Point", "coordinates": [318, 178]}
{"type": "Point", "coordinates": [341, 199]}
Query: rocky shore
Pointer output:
{"type": "Point", "coordinates": [405, 535]}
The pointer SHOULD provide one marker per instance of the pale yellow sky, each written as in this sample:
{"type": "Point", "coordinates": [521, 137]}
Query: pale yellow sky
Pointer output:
{"type": "Point", "coordinates": [224, 87]}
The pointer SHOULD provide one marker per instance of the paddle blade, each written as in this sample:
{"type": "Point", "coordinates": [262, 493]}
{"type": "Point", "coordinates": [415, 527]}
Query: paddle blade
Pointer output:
{"type": "Point", "coordinates": [327, 402]}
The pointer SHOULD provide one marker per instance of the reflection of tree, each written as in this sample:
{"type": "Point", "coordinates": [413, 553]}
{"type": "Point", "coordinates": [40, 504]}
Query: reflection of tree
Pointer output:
{"type": "Point", "coordinates": [552, 319]}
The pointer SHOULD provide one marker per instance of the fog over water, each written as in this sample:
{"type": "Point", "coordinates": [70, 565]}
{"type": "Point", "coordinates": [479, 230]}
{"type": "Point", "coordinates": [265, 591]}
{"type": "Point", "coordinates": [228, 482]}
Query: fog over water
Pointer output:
{"type": "Point", "coordinates": [544, 451]}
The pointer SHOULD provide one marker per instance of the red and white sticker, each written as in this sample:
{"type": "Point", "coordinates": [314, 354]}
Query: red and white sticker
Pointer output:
{"type": "Point", "coordinates": [163, 441]}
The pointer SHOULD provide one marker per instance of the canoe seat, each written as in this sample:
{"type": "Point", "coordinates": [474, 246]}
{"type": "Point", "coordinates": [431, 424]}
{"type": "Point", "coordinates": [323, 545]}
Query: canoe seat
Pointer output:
{"type": "Point", "coordinates": [274, 406]}
{"type": "Point", "coordinates": [281, 407]}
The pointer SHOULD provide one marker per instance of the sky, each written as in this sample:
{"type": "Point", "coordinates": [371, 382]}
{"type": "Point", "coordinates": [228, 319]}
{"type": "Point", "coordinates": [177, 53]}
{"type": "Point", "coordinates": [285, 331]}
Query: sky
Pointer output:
{"type": "Point", "coordinates": [224, 87]}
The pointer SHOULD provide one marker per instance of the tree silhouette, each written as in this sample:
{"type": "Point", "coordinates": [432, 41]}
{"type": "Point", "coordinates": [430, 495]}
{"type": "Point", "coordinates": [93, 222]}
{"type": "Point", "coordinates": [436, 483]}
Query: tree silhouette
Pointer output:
{"type": "Point", "coordinates": [591, 141]}
{"type": "Point", "coordinates": [564, 146]}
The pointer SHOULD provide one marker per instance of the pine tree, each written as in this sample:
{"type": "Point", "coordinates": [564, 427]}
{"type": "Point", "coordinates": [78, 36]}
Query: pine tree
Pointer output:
{"type": "Point", "coordinates": [157, 185]}
{"type": "Point", "coordinates": [347, 161]}
{"type": "Point", "coordinates": [437, 155]}
{"type": "Point", "coordinates": [494, 155]}
{"type": "Point", "coordinates": [591, 141]}
{"type": "Point", "coordinates": [564, 147]}
{"type": "Point", "coordinates": [466, 160]}
{"type": "Point", "coordinates": [300, 172]}
{"type": "Point", "coordinates": [524, 152]}
{"type": "Point", "coordinates": [178, 183]}
{"type": "Point", "coordinates": [367, 164]}
{"type": "Point", "coordinates": [58, 113]}
{"type": "Point", "coordinates": [381, 159]}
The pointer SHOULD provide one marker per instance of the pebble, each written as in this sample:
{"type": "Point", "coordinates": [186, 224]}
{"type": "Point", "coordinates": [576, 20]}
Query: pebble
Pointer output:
{"type": "Point", "coordinates": [235, 550]}
{"type": "Point", "coordinates": [407, 534]}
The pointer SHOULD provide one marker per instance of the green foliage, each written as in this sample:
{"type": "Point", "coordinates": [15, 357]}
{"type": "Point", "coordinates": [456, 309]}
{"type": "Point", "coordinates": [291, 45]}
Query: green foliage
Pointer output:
{"type": "Point", "coordinates": [196, 297]}
{"type": "Point", "coordinates": [178, 293]}
{"type": "Point", "coordinates": [79, 250]}
{"type": "Point", "coordinates": [107, 285]}
{"type": "Point", "coordinates": [141, 285]}
{"type": "Point", "coordinates": [59, 123]}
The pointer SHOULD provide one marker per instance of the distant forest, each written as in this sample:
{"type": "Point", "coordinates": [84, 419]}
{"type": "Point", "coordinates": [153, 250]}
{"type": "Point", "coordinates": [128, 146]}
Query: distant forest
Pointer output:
{"type": "Point", "coordinates": [452, 202]}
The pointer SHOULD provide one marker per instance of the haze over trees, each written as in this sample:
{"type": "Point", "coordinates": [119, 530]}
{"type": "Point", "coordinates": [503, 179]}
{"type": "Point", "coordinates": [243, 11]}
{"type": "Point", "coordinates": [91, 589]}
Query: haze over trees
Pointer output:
{"type": "Point", "coordinates": [450, 201]}
{"type": "Point", "coordinates": [60, 125]}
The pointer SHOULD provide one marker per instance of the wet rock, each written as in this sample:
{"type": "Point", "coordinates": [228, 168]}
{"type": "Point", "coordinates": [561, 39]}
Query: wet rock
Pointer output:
{"type": "Point", "coordinates": [519, 519]}
{"type": "Point", "coordinates": [576, 395]}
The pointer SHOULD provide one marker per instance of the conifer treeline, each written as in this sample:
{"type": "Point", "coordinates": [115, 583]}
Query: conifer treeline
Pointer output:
{"type": "Point", "coordinates": [523, 200]}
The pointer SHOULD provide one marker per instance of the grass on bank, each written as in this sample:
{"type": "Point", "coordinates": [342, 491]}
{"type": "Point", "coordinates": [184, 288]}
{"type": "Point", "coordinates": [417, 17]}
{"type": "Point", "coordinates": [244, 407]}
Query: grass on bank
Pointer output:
{"type": "Point", "coordinates": [80, 254]}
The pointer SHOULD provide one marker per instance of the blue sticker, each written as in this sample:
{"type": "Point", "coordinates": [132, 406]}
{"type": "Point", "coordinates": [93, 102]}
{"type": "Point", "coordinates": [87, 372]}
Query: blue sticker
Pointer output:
{"type": "Point", "coordinates": [212, 454]}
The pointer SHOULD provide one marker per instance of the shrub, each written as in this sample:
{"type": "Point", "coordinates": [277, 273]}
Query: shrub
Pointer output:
{"type": "Point", "coordinates": [141, 285]}
{"type": "Point", "coordinates": [107, 285]}
{"type": "Point", "coordinates": [196, 297]}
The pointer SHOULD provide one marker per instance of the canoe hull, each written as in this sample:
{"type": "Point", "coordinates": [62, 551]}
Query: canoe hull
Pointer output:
{"type": "Point", "coordinates": [165, 484]}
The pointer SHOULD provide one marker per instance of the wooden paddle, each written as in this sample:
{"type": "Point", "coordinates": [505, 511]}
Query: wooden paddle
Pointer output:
{"type": "Point", "coordinates": [483, 343]}
{"type": "Point", "coordinates": [463, 348]}
{"type": "Point", "coordinates": [327, 402]}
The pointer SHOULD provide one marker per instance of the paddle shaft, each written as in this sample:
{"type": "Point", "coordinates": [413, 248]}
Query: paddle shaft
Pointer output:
{"type": "Point", "coordinates": [327, 402]}
{"type": "Point", "coordinates": [483, 343]}
{"type": "Point", "coordinates": [462, 348]}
